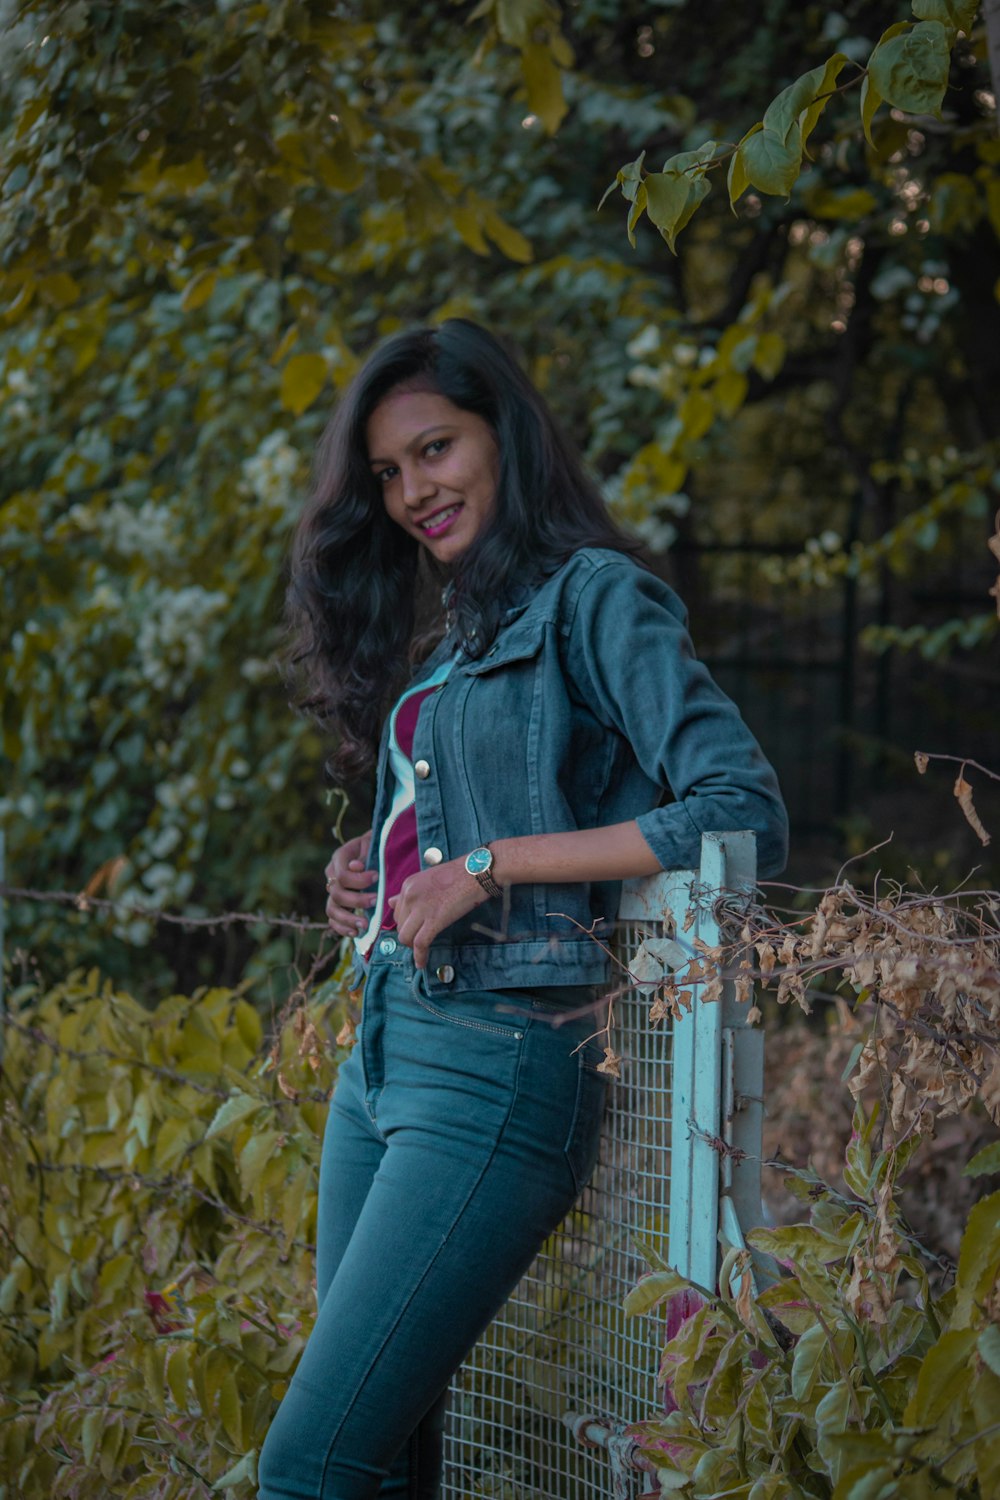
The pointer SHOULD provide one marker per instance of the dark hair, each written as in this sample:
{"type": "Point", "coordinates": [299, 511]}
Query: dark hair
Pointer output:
{"type": "Point", "coordinates": [350, 607]}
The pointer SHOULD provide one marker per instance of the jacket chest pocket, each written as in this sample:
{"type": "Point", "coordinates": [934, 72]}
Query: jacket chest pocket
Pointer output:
{"type": "Point", "coordinates": [520, 642]}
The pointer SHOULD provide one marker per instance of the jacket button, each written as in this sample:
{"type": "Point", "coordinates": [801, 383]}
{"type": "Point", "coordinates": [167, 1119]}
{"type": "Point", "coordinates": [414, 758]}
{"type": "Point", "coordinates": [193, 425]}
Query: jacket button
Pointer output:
{"type": "Point", "coordinates": [433, 856]}
{"type": "Point", "coordinates": [422, 769]}
{"type": "Point", "coordinates": [445, 973]}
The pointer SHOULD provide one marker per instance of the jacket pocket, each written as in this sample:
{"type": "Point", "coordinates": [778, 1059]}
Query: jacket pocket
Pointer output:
{"type": "Point", "coordinates": [584, 1138]}
{"type": "Point", "coordinates": [519, 642]}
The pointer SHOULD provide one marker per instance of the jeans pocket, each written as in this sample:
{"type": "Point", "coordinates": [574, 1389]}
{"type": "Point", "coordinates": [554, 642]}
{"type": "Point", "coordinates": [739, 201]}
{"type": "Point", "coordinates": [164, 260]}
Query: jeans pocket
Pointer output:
{"type": "Point", "coordinates": [584, 1139]}
{"type": "Point", "coordinates": [470, 1011]}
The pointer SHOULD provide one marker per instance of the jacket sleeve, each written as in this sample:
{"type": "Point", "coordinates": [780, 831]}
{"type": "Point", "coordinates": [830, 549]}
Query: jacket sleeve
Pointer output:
{"type": "Point", "coordinates": [632, 660]}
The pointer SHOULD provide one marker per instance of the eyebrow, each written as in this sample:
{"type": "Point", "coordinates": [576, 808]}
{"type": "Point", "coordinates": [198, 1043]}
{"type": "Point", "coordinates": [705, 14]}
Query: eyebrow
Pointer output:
{"type": "Point", "coordinates": [415, 442]}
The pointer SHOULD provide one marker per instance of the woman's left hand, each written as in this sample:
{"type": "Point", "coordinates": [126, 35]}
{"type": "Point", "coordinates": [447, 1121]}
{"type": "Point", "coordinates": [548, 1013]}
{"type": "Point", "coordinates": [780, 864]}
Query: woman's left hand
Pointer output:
{"type": "Point", "coordinates": [430, 901]}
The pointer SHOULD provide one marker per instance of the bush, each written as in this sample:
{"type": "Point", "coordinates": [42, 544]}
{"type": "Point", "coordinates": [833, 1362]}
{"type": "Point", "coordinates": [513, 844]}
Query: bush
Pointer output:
{"type": "Point", "coordinates": [851, 1376]}
{"type": "Point", "coordinates": [159, 1178]}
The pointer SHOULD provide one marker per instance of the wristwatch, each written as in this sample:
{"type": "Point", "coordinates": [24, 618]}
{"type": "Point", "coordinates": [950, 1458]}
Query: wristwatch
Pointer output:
{"type": "Point", "coordinates": [480, 865]}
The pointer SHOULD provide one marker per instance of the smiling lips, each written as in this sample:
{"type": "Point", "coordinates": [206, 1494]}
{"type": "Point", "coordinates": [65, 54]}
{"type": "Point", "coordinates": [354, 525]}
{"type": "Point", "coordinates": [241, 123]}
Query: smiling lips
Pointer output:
{"type": "Point", "coordinates": [440, 520]}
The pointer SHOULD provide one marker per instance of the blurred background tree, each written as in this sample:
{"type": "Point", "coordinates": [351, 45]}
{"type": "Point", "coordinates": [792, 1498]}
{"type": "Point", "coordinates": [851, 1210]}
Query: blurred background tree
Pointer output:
{"type": "Point", "coordinates": [210, 211]}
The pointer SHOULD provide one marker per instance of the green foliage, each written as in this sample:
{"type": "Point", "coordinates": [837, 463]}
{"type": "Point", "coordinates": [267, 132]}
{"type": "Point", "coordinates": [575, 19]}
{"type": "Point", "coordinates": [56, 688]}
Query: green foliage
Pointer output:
{"type": "Point", "coordinates": [847, 1378]}
{"type": "Point", "coordinates": [210, 212]}
{"type": "Point", "coordinates": [158, 1206]}
{"type": "Point", "coordinates": [908, 69]}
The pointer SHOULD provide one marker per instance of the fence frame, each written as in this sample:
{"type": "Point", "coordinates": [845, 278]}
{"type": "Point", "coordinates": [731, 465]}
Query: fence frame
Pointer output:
{"type": "Point", "coordinates": [714, 1141]}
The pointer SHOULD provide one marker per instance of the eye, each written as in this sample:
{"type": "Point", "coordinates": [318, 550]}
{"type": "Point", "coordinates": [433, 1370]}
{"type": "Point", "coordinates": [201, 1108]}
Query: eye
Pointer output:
{"type": "Point", "coordinates": [437, 445]}
{"type": "Point", "coordinates": [384, 475]}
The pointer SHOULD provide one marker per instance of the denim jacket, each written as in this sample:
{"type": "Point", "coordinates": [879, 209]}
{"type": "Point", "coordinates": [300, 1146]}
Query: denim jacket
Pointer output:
{"type": "Point", "coordinates": [587, 710]}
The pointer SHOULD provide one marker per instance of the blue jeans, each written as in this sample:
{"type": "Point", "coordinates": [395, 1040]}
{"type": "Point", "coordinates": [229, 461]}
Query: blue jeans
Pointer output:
{"type": "Point", "coordinates": [460, 1133]}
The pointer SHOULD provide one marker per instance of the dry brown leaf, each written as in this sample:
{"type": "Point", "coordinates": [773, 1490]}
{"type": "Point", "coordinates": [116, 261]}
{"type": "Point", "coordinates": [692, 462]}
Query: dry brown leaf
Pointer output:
{"type": "Point", "coordinates": [346, 1036]}
{"type": "Point", "coordinates": [612, 1063]}
{"type": "Point", "coordinates": [765, 957]}
{"type": "Point", "coordinates": [963, 791]}
{"type": "Point", "coordinates": [921, 760]}
{"type": "Point", "coordinates": [289, 1091]}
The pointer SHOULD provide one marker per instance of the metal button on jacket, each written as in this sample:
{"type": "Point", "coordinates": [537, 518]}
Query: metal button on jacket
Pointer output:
{"type": "Point", "coordinates": [422, 769]}
{"type": "Point", "coordinates": [387, 945]}
{"type": "Point", "coordinates": [445, 973]}
{"type": "Point", "coordinates": [433, 856]}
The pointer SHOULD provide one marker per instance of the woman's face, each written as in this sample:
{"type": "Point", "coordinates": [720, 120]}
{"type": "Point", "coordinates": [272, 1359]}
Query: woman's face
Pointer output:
{"type": "Point", "coordinates": [437, 466]}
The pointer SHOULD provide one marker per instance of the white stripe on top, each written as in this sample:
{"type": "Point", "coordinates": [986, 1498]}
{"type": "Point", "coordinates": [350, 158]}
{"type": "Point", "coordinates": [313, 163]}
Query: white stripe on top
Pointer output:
{"type": "Point", "coordinates": [403, 797]}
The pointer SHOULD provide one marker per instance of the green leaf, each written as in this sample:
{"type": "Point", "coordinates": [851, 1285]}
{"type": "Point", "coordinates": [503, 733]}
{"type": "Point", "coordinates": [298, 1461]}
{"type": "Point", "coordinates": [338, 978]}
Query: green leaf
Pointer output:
{"type": "Point", "coordinates": [302, 379]}
{"type": "Point", "coordinates": [988, 1345]}
{"type": "Point", "coordinates": [870, 96]}
{"type": "Point", "coordinates": [864, 1482]}
{"type": "Point", "coordinates": [628, 179]}
{"type": "Point", "coordinates": [737, 180]}
{"type": "Point", "coordinates": [255, 1155]}
{"type": "Point", "coordinates": [236, 1107]}
{"type": "Point", "coordinates": [783, 116]}
{"type": "Point", "coordinates": [230, 1409]}
{"type": "Point", "coordinates": [671, 199]}
{"type": "Point", "coordinates": [243, 1472]}
{"type": "Point", "coordinates": [771, 163]}
{"type": "Point", "coordinates": [806, 1361]}
{"type": "Point", "coordinates": [198, 290]}
{"type": "Point", "coordinates": [943, 1371]}
{"type": "Point", "coordinates": [985, 1161]}
{"type": "Point", "coordinates": [957, 13]}
{"type": "Point", "coordinates": [90, 1435]}
{"type": "Point", "coordinates": [832, 1415]}
{"type": "Point", "coordinates": [830, 74]}
{"type": "Point", "coordinates": [910, 69]}
{"type": "Point", "coordinates": [652, 1289]}
{"type": "Point", "coordinates": [978, 1257]}
{"type": "Point", "coordinates": [636, 212]}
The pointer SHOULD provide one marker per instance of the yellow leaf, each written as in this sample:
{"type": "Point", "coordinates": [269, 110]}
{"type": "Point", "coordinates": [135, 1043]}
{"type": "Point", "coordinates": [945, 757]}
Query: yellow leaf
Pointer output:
{"type": "Point", "coordinates": [339, 168]}
{"type": "Point", "coordinates": [769, 355]}
{"type": "Point", "coordinates": [90, 1433]}
{"type": "Point", "coordinates": [544, 82]}
{"type": "Point", "coordinates": [507, 239]}
{"type": "Point", "coordinates": [287, 340]}
{"type": "Point", "coordinates": [177, 1373]}
{"type": "Point", "coordinates": [230, 1409]}
{"type": "Point", "coordinates": [730, 392]}
{"type": "Point", "coordinates": [466, 220]}
{"type": "Point", "coordinates": [302, 379]}
{"type": "Point", "coordinates": [198, 290]}
{"type": "Point", "coordinates": [697, 412]}
{"type": "Point", "coordinates": [60, 289]}
{"type": "Point", "coordinates": [171, 1140]}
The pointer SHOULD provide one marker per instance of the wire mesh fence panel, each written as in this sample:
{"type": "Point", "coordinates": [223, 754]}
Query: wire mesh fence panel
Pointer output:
{"type": "Point", "coordinates": [562, 1350]}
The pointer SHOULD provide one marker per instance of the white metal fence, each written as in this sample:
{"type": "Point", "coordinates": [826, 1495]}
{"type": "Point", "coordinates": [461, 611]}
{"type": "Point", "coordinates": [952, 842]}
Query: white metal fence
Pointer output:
{"type": "Point", "coordinates": [538, 1410]}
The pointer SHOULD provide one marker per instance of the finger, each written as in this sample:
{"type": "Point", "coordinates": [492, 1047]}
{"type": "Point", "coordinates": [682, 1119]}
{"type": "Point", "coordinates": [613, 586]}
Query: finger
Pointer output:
{"type": "Point", "coordinates": [343, 918]}
{"type": "Point", "coordinates": [421, 945]}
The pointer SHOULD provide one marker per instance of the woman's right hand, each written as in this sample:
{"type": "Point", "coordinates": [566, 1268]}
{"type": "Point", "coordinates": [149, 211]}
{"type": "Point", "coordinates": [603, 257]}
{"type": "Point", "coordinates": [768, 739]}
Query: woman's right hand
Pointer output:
{"type": "Point", "coordinates": [347, 883]}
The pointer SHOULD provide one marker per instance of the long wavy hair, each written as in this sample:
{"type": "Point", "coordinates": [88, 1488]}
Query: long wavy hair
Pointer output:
{"type": "Point", "coordinates": [351, 601]}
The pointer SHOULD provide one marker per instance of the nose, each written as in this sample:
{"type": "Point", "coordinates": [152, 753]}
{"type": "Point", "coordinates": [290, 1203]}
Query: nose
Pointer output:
{"type": "Point", "coordinates": [418, 486]}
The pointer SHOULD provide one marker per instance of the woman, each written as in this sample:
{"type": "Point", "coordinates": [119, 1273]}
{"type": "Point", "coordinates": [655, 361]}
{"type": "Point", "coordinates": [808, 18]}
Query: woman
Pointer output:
{"type": "Point", "coordinates": [521, 776]}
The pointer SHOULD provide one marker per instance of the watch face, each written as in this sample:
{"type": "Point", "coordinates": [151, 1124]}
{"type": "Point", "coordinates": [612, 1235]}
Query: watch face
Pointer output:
{"type": "Point", "coordinates": [479, 861]}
